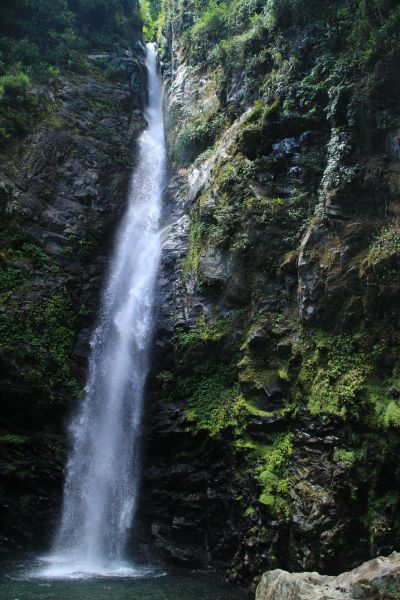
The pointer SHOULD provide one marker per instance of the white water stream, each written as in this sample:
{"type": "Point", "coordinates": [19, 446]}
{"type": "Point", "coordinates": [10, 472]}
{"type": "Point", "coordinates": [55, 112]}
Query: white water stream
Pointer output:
{"type": "Point", "coordinates": [103, 471]}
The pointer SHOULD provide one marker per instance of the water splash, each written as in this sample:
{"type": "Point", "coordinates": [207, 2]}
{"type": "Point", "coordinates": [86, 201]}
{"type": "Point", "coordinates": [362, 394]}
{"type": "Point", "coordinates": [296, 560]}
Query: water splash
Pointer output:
{"type": "Point", "coordinates": [103, 470]}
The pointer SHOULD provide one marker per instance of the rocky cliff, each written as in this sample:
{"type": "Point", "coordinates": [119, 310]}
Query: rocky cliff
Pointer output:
{"type": "Point", "coordinates": [273, 428]}
{"type": "Point", "coordinates": [63, 186]}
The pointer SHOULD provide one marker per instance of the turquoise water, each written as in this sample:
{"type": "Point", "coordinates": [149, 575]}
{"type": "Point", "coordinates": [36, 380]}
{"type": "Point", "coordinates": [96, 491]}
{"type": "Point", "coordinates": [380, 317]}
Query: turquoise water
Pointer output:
{"type": "Point", "coordinates": [19, 581]}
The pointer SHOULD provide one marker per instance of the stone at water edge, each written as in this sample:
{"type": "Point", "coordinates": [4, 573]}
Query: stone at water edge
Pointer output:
{"type": "Point", "coordinates": [377, 579]}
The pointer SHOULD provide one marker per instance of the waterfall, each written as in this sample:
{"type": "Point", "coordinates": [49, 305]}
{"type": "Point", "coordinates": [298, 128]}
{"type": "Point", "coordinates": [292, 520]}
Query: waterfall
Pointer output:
{"type": "Point", "coordinates": [103, 470]}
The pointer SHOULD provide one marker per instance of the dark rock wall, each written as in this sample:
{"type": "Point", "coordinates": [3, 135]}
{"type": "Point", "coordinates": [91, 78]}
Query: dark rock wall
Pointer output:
{"type": "Point", "coordinates": [274, 415]}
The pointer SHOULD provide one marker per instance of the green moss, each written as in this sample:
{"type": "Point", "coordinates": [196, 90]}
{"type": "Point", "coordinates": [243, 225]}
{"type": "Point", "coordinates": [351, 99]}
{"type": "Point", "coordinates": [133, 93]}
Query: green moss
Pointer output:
{"type": "Point", "coordinates": [214, 405]}
{"type": "Point", "coordinates": [14, 84]}
{"type": "Point", "coordinates": [383, 508]}
{"type": "Point", "coordinates": [191, 341]}
{"type": "Point", "coordinates": [31, 253]}
{"type": "Point", "coordinates": [256, 372]}
{"type": "Point", "coordinates": [341, 375]}
{"type": "Point", "coordinates": [165, 376]}
{"type": "Point", "coordinates": [257, 132]}
{"type": "Point", "coordinates": [272, 475]}
{"type": "Point", "coordinates": [268, 461]}
{"type": "Point", "coordinates": [11, 279]}
{"type": "Point", "coordinates": [203, 157]}
{"type": "Point", "coordinates": [249, 512]}
{"type": "Point", "coordinates": [196, 243]}
{"type": "Point", "coordinates": [386, 245]}
{"type": "Point", "coordinates": [381, 264]}
{"type": "Point", "coordinates": [231, 213]}
{"type": "Point", "coordinates": [333, 373]}
{"type": "Point", "coordinates": [205, 376]}
{"type": "Point", "coordinates": [391, 414]}
{"type": "Point", "coordinates": [13, 438]}
{"type": "Point", "coordinates": [384, 397]}
{"type": "Point", "coordinates": [42, 335]}
{"type": "Point", "coordinates": [85, 248]}
{"type": "Point", "coordinates": [221, 220]}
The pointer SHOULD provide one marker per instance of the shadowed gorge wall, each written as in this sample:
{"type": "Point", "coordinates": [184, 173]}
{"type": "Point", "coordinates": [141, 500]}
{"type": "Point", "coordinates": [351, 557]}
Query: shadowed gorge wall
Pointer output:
{"type": "Point", "coordinates": [274, 427]}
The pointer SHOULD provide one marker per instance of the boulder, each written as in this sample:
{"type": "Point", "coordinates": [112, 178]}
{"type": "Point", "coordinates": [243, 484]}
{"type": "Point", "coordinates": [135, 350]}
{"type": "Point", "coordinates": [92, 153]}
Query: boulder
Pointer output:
{"type": "Point", "coordinates": [377, 579]}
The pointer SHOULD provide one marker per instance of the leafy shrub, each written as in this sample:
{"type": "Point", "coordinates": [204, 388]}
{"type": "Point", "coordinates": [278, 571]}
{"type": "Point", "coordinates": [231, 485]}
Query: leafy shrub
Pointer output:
{"type": "Point", "coordinates": [210, 28]}
{"type": "Point", "coordinates": [14, 85]}
{"type": "Point", "coordinates": [334, 373]}
{"type": "Point", "coordinates": [272, 475]}
{"type": "Point", "coordinates": [195, 137]}
{"type": "Point", "coordinates": [385, 247]}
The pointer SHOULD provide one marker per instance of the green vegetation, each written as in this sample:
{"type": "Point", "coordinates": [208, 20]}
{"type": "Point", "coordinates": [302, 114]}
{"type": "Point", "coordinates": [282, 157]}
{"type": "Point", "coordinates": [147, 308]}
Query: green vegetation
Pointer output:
{"type": "Point", "coordinates": [150, 12]}
{"type": "Point", "coordinates": [17, 106]}
{"type": "Point", "coordinates": [41, 39]}
{"type": "Point", "coordinates": [12, 438]}
{"type": "Point", "coordinates": [286, 83]}
{"type": "Point", "coordinates": [334, 374]}
{"type": "Point", "coordinates": [41, 334]}
{"type": "Point", "coordinates": [196, 137]}
{"type": "Point", "coordinates": [39, 35]}
{"type": "Point", "coordinates": [385, 246]}
{"type": "Point", "coordinates": [368, 30]}
{"type": "Point", "coordinates": [273, 475]}
{"type": "Point", "coordinates": [300, 87]}
{"type": "Point", "coordinates": [341, 375]}
{"type": "Point", "coordinates": [381, 265]}
{"type": "Point", "coordinates": [214, 404]}
{"type": "Point", "coordinates": [234, 210]}
{"type": "Point", "coordinates": [208, 30]}
{"type": "Point", "coordinates": [345, 457]}
{"type": "Point", "coordinates": [41, 337]}
{"type": "Point", "coordinates": [208, 385]}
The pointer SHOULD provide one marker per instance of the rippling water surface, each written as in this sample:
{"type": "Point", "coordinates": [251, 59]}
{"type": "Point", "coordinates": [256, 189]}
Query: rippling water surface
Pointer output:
{"type": "Point", "coordinates": [21, 580]}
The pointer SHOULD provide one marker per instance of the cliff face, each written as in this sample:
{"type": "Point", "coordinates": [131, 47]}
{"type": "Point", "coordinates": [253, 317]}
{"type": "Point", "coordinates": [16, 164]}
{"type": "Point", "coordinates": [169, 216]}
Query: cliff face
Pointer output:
{"type": "Point", "coordinates": [62, 189]}
{"type": "Point", "coordinates": [274, 397]}
{"type": "Point", "coordinates": [273, 430]}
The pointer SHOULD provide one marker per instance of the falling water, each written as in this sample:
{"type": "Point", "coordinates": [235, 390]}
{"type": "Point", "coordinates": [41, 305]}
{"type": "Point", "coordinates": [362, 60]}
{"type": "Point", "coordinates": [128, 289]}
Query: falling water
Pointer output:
{"type": "Point", "coordinates": [103, 470]}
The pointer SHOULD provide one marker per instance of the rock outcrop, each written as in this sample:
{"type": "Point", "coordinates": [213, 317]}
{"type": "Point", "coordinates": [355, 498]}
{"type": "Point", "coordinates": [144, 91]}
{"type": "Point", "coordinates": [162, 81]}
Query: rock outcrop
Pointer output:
{"type": "Point", "coordinates": [377, 579]}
